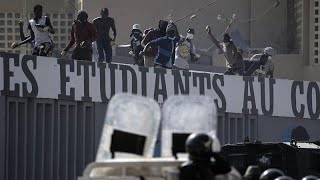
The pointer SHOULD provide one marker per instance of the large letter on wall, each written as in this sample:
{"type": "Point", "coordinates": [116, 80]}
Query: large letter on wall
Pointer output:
{"type": "Point", "coordinates": [160, 79]}
{"type": "Point", "coordinates": [102, 67]}
{"type": "Point", "coordinates": [29, 75]}
{"type": "Point", "coordinates": [263, 96]}
{"type": "Point", "coordinates": [125, 69]}
{"type": "Point", "coordinates": [217, 89]}
{"type": "Point", "coordinates": [64, 79]}
{"type": "Point", "coordinates": [310, 98]}
{"type": "Point", "coordinates": [178, 83]}
{"type": "Point", "coordinates": [249, 85]}
{"type": "Point", "coordinates": [296, 84]}
{"type": "Point", "coordinates": [7, 74]}
{"type": "Point", "coordinates": [86, 78]}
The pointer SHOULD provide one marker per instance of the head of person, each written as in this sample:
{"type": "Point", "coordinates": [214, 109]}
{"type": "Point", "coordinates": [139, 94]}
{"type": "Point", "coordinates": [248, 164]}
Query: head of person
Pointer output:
{"type": "Point", "coordinates": [163, 26]}
{"type": "Point", "coordinates": [271, 174]}
{"type": "Point", "coordinates": [270, 51]}
{"type": "Point", "coordinates": [104, 13]}
{"type": "Point", "coordinates": [190, 34]}
{"type": "Point", "coordinates": [252, 173]}
{"type": "Point", "coordinates": [199, 146]}
{"type": "Point", "coordinates": [226, 38]}
{"type": "Point", "coordinates": [310, 177]}
{"type": "Point", "coordinates": [82, 17]}
{"type": "Point", "coordinates": [171, 31]}
{"type": "Point", "coordinates": [136, 31]}
{"type": "Point", "coordinates": [38, 10]}
{"type": "Point", "coordinates": [284, 178]}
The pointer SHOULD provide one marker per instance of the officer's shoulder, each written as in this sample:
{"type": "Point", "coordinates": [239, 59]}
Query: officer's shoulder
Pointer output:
{"type": "Point", "coordinates": [96, 19]}
{"type": "Point", "coordinates": [110, 19]}
{"type": "Point", "coordinates": [187, 164]}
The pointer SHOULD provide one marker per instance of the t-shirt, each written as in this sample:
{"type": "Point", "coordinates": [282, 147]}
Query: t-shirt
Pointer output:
{"type": "Point", "coordinates": [165, 50]}
{"type": "Point", "coordinates": [182, 53]}
{"type": "Point", "coordinates": [40, 36]}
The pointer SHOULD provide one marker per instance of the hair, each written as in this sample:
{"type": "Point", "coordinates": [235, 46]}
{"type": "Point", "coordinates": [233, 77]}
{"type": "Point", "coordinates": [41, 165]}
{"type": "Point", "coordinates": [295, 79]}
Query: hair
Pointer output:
{"type": "Point", "coordinates": [36, 7]}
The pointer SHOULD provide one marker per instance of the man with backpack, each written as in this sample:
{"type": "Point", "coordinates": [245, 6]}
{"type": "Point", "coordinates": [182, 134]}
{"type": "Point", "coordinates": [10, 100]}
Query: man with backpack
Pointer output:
{"type": "Point", "coordinates": [83, 33]}
{"type": "Point", "coordinates": [151, 35]}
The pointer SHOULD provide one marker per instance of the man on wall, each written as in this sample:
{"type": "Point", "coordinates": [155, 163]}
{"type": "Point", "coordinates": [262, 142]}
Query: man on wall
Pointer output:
{"type": "Point", "coordinates": [40, 27]}
{"type": "Point", "coordinates": [83, 33]}
{"type": "Point", "coordinates": [104, 41]}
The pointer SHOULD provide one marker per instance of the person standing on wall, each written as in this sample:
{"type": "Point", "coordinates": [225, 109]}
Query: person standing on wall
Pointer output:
{"type": "Point", "coordinates": [166, 47]}
{"type": "Point", "coordinates": [40, 27]}
{"type": "Point", "coordinates": [185, 50]}
{"type": "Point", "coordinates": [230, 51]}
{"type": "Point", "coordinates": [83, 33]}
{"type": "Point", "coordinates": [104, 41]}
{"type": "Point", "coordinates": [153, 34]}
{"type": "Point", "coordinates": [135, 45]}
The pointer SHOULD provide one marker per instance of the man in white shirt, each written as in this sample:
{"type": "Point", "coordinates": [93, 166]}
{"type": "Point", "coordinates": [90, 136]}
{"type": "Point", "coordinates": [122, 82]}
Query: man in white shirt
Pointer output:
{"type": "Point", "coordinates": [185, 51]}
{"type": "Point", "coordinates": [40, 27]}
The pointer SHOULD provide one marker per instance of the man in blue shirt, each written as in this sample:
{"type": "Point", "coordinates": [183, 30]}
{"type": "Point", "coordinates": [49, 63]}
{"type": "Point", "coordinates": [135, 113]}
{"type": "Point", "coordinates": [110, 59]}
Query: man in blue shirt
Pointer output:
{"type": "Point", "coordinates": [166, 48]}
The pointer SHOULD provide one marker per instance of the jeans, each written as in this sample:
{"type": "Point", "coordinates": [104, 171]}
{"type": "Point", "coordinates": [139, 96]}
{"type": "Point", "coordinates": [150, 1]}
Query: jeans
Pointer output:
{"type": "Point", "coordinates": [104, 47]}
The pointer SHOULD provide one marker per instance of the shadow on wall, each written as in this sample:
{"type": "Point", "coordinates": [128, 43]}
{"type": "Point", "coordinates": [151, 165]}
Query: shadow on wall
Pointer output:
{"type": "Point", "coordinates": [300, 134]}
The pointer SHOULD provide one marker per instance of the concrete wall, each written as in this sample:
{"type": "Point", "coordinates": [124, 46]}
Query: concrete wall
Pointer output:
{"type": "Point", "coordinates": [282, 129]}
{"type": "Point", "coordinates": [266, 31]}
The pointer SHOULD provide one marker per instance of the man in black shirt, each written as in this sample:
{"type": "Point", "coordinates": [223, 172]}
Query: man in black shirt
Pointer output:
{"type": "Point", "coordinates": [103, 25]}
{"type": "Point", "coordinates": [200, 166]}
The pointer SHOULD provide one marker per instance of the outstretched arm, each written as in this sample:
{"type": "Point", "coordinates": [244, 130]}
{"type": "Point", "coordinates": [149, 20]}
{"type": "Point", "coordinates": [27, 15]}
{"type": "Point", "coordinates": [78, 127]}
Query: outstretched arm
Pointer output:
{"type": "Point", "coordinates": [213, 39]}
{"type": "Point", "coordinates": [26, 40]}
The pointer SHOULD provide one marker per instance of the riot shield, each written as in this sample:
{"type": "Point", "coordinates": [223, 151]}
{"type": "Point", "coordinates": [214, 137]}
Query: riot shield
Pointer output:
{"type": "Point", "coordinates": [183, 115]}
{"type": "Point", "coordinates": [130, 128]}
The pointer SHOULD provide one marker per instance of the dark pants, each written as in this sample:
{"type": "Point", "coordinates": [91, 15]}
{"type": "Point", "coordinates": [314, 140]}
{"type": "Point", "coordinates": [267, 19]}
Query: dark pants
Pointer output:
{"type": "Point", "coordinates": [44, 49]}
{"type": "Point", "coordinates": [104, 47]}
{"type": "Point", "coordinates": [82, 54]}
{"type": "Point", "coordinates": [138, 60]}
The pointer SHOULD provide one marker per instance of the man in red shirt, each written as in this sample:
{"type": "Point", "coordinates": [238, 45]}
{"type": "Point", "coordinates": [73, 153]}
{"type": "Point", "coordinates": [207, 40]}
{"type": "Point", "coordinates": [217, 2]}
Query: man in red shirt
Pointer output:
{"type": "Point", "coordinates": [83, 33]}
{"type": "Point", "coordinates": [151, 53]}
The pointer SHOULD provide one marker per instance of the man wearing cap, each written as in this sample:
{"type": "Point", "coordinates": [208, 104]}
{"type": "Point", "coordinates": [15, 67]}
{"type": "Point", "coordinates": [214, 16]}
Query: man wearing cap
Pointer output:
{"type": "Point", "coordinates": [104, 41]}
{"type": "Point", "coordinates": [185, 50]}
{"type": "Point", "coordinates": [261, 64]}
{"type": "Point", "coordinates": [136, 46]}
{"type": "Point", "coordinates": [166, 47]}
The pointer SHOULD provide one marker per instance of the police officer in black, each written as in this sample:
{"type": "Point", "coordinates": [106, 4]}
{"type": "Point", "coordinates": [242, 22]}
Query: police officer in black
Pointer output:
{"type": "Point", "coordinates": [200, 165]}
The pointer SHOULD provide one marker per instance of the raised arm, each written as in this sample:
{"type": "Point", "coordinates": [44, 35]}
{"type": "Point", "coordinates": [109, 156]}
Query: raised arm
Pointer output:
{"type": "Point", "coordinates": [22, 36]}
{"type": "Point", "coordinates": [213, 39]}
{"type": "Point", "coordinates": [26, 40]}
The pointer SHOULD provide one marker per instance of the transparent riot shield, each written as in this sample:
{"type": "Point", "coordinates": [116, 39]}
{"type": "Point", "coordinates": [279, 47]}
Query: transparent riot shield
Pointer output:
{"type": "Point", "coordinates": [183, 115]}
{"type": "Point", "coordinates": [130, 128]}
